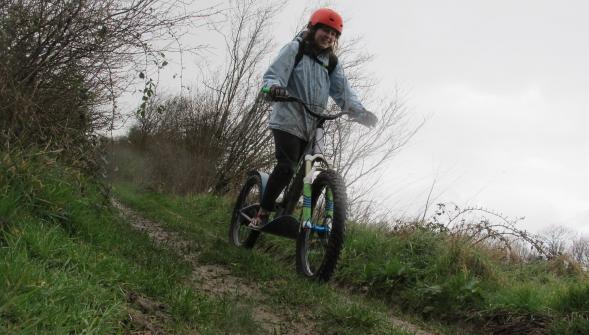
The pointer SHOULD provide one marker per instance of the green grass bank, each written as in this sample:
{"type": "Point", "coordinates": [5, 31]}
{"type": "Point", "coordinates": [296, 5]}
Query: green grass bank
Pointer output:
{"type": "Point", "coordinates": [69, 264]}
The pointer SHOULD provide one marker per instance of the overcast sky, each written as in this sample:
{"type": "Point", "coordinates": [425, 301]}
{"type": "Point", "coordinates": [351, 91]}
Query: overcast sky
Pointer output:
{"type": "Point", "coordinates": [504, 87]}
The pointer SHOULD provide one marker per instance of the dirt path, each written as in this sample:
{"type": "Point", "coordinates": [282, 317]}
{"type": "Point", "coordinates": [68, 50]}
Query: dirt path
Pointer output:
{"type": "Point", "coordinates": [218, 281]}
{"type": "Point", "coordinates": [214, 279]}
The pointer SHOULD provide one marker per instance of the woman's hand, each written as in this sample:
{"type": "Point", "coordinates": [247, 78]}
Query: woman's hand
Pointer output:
{"type": "Point", "coordinates": [278, 92]}
{"type": "Point", "coordinates": [366, 118]}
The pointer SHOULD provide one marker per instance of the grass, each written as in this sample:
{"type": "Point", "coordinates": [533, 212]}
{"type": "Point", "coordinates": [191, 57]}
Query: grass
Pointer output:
{"type": "Point", "coordinates": [68, 262]}
{"type": "Point", "coordinates": [204, 219]}
{"type": "Point", "coordinates": [446, 278]}
{"type": "Point", "coordinates": [433, 276]}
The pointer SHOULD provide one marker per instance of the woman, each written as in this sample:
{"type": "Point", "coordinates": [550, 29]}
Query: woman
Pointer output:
{"type": "Point", "coordinates": [313, 78]}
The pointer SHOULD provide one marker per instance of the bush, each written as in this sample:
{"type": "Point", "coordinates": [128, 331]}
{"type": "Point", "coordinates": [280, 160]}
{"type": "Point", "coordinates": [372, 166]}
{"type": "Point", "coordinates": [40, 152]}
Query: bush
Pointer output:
{"type": "Point", "coordinates": [62, 61]}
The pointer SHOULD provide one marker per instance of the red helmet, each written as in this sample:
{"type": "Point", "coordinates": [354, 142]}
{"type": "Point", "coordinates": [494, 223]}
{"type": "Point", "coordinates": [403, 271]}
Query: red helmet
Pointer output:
{"type": "Point", "coordinates": [327, 17]}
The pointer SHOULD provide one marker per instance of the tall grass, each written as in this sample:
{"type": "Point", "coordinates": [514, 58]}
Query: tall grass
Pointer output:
{"type": "Point", "coordinates": [445, 277]}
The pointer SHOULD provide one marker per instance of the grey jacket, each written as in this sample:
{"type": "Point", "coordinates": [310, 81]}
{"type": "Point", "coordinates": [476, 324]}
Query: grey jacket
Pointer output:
{"type": "Point", "coordinates": [311, 82]}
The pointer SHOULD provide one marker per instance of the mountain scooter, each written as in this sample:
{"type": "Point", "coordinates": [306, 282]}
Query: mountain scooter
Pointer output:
{"type": "Point", "coordinates": [319, 226]}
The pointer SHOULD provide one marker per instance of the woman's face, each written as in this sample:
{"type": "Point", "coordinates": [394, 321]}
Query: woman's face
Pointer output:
{"type": "Point", "coordinates": [325, 37]}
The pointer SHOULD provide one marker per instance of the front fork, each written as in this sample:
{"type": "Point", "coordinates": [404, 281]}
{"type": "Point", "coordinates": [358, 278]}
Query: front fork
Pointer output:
{"type": "Point", "coordinates": [307, 201]}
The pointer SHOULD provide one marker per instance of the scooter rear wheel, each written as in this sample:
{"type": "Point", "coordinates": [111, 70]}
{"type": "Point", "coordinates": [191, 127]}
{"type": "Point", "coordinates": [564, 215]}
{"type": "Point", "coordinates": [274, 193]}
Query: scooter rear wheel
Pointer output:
{"type": "Point", "coordinates": [246, 205]}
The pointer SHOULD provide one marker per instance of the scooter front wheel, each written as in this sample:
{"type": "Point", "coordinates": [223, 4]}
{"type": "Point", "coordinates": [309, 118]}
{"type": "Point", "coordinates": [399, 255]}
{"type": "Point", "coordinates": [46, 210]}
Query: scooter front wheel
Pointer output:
{"type": "Point", "coordinates": [320, 242]}
{"type": "Point", "coordinates": [246, 206]}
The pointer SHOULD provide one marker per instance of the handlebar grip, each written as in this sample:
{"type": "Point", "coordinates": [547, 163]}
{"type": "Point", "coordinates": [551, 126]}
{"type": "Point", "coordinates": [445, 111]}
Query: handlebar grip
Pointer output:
{"type": "Point", "coordinates": [266, 90]}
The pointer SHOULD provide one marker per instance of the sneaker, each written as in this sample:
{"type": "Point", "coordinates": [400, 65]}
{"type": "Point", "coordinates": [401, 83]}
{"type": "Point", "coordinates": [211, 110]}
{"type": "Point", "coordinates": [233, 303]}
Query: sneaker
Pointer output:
{"type": "Point", "coordinates": [259, 221]}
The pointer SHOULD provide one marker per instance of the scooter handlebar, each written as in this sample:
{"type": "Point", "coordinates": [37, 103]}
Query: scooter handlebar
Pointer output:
{"type": "Point", "coordinates": [266, 90]}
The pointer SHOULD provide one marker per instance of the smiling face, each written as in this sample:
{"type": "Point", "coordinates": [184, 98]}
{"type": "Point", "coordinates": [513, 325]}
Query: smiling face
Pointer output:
{"type": "Point", "coordinates": [325, 37]}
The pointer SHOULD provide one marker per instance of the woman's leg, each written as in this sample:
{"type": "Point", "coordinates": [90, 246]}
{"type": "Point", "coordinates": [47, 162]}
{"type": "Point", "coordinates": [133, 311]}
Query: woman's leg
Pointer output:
{"type": "Point", "coordinates": [288, 150]}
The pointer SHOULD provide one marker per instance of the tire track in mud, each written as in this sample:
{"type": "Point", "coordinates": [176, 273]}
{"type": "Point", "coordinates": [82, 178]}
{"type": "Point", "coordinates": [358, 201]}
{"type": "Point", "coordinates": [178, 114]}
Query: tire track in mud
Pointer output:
{"type": "Point", "coordinates": [217, 280]}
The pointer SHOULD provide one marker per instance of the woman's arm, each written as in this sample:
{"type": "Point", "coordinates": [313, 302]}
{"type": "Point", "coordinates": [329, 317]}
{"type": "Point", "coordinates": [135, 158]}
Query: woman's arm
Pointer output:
{"type": "Point", "coordinates": [343, 95]}
{"type": "Point", "coordinates": [281, 67]}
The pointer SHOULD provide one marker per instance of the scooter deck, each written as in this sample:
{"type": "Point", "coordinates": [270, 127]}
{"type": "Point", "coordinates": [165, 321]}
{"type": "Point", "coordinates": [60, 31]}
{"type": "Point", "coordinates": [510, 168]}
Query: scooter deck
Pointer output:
{"type": "Point", "coordinates": [284, 225]}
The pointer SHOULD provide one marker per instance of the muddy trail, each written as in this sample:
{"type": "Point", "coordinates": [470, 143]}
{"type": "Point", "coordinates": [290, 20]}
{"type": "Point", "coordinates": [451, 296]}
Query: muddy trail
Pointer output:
{"type": "Point", "coordinates": [218, 281]}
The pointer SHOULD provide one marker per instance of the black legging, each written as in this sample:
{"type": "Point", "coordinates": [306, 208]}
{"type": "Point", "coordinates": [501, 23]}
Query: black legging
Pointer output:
{"type": "Point", "coordinates": [288, 151]}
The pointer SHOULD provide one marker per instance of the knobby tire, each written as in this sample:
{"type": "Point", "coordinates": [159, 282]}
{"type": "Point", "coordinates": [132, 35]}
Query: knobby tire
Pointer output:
{"type": "Point", "coordinates": [326, 179]}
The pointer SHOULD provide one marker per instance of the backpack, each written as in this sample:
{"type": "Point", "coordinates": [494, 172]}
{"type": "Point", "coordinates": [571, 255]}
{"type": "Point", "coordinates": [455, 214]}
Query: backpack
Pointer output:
{"type": "Point", "coordinates": [332, 63]}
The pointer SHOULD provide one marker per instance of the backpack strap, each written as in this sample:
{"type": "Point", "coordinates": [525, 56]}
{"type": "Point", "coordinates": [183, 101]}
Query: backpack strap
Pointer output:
{"type": "Point", "coordinates": [299, 55]}
{"type": "Point", "coordinates": [332, 62]}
